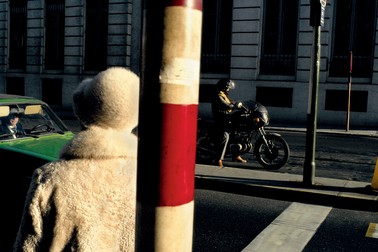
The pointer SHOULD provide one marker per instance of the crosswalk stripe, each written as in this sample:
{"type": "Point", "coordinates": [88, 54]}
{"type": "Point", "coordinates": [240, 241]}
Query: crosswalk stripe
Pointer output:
{"type": "Point", "coordinates": [291, 230]}
{"type": "Point", "coordinates": [372, 231]}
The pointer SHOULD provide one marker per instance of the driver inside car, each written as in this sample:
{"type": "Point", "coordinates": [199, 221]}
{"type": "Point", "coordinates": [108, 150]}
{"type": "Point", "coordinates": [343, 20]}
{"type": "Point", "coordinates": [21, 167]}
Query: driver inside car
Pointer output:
{"type": "Point", "coordinates": [10, 126]}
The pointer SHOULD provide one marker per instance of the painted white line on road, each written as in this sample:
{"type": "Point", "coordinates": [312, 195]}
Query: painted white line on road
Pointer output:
{"type": "Point", "coordinates": [372, 231]}
{"type": "Point", "coordinates": [291, 230]}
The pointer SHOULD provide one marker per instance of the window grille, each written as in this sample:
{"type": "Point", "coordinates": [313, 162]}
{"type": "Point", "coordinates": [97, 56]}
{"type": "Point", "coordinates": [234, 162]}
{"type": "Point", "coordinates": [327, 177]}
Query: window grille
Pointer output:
{"type": "Point", "coordinates": [17, 36]}
{"type": "Point", "coordinates": [354, 30]}
{"type": "Point", "coordinates": [279, 37]}
{"type": "Point", "coordinates": [96, 35]}
{"type": "Point", "coordinates": [54, 34]}
{"type": "Point", "coordinates": [216, 36]}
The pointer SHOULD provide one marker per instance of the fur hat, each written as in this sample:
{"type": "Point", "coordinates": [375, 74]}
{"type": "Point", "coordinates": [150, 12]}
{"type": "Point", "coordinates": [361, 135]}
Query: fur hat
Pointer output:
{"type": "Point", "coordinates": [109, 100]}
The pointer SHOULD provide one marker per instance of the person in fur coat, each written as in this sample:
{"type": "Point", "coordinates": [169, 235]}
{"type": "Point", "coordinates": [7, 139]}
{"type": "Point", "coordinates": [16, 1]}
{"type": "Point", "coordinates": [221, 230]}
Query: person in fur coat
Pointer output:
{"type": "Point", "coordinates": [86, 200]}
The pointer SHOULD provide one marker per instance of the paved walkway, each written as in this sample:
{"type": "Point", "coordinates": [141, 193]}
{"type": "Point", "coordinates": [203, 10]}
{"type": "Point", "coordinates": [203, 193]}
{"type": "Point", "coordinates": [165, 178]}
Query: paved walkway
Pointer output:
{"type": "Point", "coordinates": [357, 132]}
{"type": "Point", "coordinates": [285, 186]}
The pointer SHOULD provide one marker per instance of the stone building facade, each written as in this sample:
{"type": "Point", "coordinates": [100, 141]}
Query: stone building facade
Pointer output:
{"type": "Point", "coordinates": [264, 46]}
{"type": "Point", "coordinates": [56, 40]}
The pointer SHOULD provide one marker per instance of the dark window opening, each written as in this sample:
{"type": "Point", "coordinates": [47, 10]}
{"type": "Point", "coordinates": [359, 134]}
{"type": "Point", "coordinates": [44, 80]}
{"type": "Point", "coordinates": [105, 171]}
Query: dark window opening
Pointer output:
{"type": "Point", "coordinates": [216, 36]}
{"type": "Point", "coordinates": [279, 37]}
{"type": "Point", "coordinates": [54, 37]}
{"type": "Point", "coordinates": [354, 31]}
{"type": "Point", "coordinates": [337, 100]}
{"type": "Point", "coordinates": [274, 96]}
{"type": "Point", "coordinates": [96, 35]}
{"type": "Point", "coordinates": [52, 92]}
{"type": "Point", "coordinates": [17, 34]}
{"type": "Point", "coordinates": [15, 85]}
{"type": "Point", "coordinates": [206, 92]}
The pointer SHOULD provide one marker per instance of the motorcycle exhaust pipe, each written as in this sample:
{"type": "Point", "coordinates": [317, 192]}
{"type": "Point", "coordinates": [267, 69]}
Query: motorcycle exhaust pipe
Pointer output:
{"type": "Point", "coordinates": [241, 147]}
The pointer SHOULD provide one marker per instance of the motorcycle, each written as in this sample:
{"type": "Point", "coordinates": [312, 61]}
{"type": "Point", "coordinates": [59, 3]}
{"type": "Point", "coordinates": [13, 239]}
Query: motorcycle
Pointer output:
{"type": "Point", "coordinates": [247, 136]}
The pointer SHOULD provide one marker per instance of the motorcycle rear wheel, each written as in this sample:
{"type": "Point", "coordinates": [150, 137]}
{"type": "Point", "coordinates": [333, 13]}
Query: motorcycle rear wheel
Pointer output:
{"type": "Point", "coordinates": [205, 153]}
{"type": "Point", "coordinates": [274, 156]}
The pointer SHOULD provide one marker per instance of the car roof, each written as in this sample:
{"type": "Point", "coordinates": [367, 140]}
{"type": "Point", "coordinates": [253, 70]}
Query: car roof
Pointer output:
{"type": "Point", "coordinates": [16, 99]}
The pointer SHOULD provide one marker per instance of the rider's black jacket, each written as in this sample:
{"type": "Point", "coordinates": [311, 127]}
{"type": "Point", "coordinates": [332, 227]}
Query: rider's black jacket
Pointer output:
{"type": "Point", "coordinates": [222, 107]}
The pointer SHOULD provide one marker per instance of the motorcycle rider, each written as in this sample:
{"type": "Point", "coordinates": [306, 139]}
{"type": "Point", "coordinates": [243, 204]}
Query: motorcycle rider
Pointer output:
{"type": "Point", "coordinates": [222, 106]}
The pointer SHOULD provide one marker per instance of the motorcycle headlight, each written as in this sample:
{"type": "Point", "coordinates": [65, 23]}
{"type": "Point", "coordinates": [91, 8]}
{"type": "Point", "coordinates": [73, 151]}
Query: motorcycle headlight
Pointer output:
{"type": "Point", "coordinates": [265, 118]}
{"type": "Point", "coordinates": [260, 121]}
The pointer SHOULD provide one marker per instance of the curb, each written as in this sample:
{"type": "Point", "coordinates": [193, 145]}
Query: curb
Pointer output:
{"type": "Point", "coordinates": [292, 191]}
{"type": "Point", "coordinates": [362, 132]}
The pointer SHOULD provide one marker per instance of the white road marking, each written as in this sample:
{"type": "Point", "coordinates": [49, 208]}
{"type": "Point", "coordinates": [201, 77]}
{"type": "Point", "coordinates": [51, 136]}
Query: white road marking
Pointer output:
{"type": "Point", "coordinates": [372, 231]}
{"type": "Point", "coordinates": [291, 230]}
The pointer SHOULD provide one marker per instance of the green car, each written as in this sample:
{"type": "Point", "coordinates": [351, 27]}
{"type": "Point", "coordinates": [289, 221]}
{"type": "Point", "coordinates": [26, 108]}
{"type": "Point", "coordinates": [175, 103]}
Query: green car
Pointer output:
{"type": "Point", "coordinates": [31, 134]}
{"type": "Point", "coordinates": [42, 135]}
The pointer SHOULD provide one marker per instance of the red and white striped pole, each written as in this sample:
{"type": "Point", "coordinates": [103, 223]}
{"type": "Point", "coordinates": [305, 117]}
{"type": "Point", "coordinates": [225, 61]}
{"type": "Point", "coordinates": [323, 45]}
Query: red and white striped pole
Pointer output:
{"type": "Point", "coordinates": [179, 80]}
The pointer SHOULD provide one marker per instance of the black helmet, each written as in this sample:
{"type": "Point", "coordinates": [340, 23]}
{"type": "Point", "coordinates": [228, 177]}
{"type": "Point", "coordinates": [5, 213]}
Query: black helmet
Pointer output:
{"type": "Point", "coordinates": [225, 85]}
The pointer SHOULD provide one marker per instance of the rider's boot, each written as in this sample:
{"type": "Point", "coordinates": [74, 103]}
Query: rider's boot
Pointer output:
{"type": "Point", "coordinates": [240, 159]}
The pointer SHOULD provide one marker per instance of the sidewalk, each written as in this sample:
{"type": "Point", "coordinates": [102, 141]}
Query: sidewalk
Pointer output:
{"type": "Point", "coordinates": [352, 131]}
{"type": "Point", "coordinates": [290, 187]}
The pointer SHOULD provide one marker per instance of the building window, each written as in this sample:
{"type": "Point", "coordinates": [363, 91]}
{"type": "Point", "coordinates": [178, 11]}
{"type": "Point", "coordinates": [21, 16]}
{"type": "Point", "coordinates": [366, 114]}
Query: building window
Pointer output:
{"type": "Point", "coordinates": [52, 92]}
{"type": "Point", "coordinates": [54, 34]}
{"type": "Point", "coordinates": [354, 30]}
{"type": "Point", "coordinates": [206, 93]}
{"type": "Point", "coordinates": [337, 100]}
{"type": "Point", "coordinates": [15, 85]}
{"type": "Point", "coordinates": [17, 36]}
{"type": "Point", "coordinates": [275, 96]}
{"type": "Point", "coordinates": [279, 37]}
{"type": "Point", "coordinates": [96, 35]}
{"type": "Point", "coordinates": [216, 36]}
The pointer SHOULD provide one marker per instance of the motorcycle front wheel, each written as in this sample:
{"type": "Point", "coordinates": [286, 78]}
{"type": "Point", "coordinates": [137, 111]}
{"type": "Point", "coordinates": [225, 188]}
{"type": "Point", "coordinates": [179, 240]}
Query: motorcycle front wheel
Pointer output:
{"type": "Point", "coordinates": [274, 154]}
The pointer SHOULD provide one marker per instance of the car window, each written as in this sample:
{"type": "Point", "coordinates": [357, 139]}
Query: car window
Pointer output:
{"type": "Point", "coordinates": [34, 120]}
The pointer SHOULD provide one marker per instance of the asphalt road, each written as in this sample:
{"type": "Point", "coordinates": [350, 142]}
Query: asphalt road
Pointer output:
{"type": "Point", "coordinates": [232, 222]}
